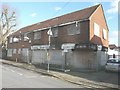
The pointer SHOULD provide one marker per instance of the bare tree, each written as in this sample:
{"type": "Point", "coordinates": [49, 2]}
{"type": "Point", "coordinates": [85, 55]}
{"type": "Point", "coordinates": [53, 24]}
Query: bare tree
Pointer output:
{"type": "Point", "coordinates": [7, 24]}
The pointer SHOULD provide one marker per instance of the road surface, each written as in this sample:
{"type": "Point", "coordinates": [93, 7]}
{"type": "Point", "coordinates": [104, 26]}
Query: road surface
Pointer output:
{"type": "Point", "coordinates": [14, 77]}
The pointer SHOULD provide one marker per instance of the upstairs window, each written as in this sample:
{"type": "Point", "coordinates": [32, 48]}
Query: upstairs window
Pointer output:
{"type": "Point", "coordinates": [55, 32]}
{"type": "Point", "coordinates": [37, 35]}
{"type": "Point", "coordinates": [10, 39]}
{"type": "Point", "coordinates": [15, 39]}
{"type": "Point", "coordinates": [26, 37]}
{"type": "Point", "coordinates": [73, 29]}
{"type": "Point", "coordinates": [104, 34]}
{"type": "Point", "coordinates": [96, 29]}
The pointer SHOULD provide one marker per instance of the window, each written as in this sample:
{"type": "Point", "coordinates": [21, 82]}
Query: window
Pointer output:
{"type": "Point", "coordinates": [11, 39]}
{"type": "Point", "coordinates": [104, 34]}
{"type": "Point", "coordinates": [9, 52]}
{"type": "Point", "coordinates": [96, 29]}
{"type": "Point", "coordinates": [26, 37]}
{"type": "Point", "coordinates": [55, 31]}
{"type": "Point", "coordinates": [73, 29]}
{"type": "Point", "coordinates": [15, 39]}
{"type": "Point", "coordinates": [14, 51]}
{"type": "Point", "coordinates": [37, 35]}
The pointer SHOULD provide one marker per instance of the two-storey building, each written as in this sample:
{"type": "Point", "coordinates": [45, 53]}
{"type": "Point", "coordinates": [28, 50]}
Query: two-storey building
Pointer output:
{"type": "Point", "coordinates": [79, 40]}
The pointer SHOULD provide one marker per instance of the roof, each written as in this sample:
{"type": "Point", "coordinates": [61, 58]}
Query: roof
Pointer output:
{"type": "Point", "coordinates": [77, 15]}
{"type": "Point", "coordinates": [112, 46]}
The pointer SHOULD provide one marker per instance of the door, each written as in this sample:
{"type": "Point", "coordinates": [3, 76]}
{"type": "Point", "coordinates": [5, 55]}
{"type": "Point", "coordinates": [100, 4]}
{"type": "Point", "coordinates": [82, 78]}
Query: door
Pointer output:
{"type": "Point", "coordinates": [39, 56]}
{"type": "Point", "coordinates": [25, 55]}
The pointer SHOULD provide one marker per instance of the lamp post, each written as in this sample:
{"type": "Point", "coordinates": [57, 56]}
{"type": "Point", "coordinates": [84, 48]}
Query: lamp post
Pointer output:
{"type": "Point", "coordinates": [49, 39]}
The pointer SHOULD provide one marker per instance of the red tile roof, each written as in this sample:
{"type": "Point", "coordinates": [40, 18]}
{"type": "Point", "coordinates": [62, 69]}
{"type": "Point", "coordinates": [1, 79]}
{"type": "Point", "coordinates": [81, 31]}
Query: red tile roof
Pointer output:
{"type": "Point", "coordinates": [77, 15]}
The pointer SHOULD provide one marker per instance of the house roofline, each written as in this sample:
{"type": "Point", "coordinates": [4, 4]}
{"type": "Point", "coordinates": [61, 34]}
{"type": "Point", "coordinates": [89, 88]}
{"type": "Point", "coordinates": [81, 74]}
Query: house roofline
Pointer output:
{"type": "Point", "coordinates": [103, 14]}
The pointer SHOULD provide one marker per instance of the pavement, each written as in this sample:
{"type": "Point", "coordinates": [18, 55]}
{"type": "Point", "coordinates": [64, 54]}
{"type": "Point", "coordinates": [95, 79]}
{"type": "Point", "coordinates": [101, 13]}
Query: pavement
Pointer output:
{"type": "Point", "coordinates": [73, 78]}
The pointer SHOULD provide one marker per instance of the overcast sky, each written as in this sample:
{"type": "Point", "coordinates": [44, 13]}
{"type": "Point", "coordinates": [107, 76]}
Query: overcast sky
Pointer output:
{"type": "Point", "coordinates": [33, 12]}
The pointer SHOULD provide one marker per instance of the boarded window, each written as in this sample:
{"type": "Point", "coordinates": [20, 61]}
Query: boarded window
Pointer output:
{"type": "Point", "coordinates": [96, 29]}
{"type": "Point", "coordinates": [14, 51]}
{"type": "Point", "coordinates": [55, 32]}
{"type": "Point", "coordinates": [104, 34]}
{"type": "Point", "coordinates": [37, 35]}
{"type": "Point", "coordinates": [9, 52]}
{"type": "Point", "coordinates": [73, 29]}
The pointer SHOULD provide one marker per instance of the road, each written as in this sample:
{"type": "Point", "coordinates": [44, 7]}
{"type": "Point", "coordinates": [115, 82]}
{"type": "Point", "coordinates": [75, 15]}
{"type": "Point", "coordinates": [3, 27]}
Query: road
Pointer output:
{"type": "Point", "coordinates": [14, 77]}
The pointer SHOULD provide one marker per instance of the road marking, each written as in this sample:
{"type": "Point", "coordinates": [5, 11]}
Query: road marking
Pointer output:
{"type": "Point", "coordinates": [12, 70]}
{"type": "Point", "coordinates": [31, 76]}
{"type": "Point", "coordinates": [20, 73]}
{"type": "Point", "coordinates": [43, 76]}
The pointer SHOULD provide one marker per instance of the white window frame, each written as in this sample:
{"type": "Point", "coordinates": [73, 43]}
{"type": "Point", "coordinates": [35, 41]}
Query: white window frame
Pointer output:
{"type": "Point", "coordinates": [104, 34]}
{"type": "Point", "coordinates": [15, 39]}
{"type": "Point", "coordinates": [96, 29]}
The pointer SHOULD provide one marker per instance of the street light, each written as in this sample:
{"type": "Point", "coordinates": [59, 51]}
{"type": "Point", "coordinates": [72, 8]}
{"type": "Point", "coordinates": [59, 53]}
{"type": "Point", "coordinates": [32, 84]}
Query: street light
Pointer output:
{"type": "Point", "coordinates": [49, 39]}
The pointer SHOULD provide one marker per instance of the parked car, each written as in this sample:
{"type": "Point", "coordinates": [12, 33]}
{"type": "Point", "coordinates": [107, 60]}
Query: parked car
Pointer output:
{"type": "Point", "coordinates": [113, 65]}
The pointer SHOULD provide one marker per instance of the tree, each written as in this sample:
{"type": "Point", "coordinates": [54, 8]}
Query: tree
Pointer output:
{"type": "Point", "coordinates": [7, 24]}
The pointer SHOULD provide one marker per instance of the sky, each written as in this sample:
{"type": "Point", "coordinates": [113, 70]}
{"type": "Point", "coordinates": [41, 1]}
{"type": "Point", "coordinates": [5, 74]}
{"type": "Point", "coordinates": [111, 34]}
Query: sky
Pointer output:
{"type": "Point", "coordinates": [28, 13]}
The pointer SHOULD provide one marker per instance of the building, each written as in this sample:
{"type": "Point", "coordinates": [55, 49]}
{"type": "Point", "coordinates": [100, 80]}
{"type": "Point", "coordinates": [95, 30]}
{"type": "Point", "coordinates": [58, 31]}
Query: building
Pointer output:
{"type": "Point", "coordinates": [113, 51]}
{"type": "Point", "coordinates": [79, 41]}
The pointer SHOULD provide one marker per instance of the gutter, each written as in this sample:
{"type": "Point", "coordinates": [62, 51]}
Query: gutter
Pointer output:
{"type": "Point", "coordinates": [63, 24]}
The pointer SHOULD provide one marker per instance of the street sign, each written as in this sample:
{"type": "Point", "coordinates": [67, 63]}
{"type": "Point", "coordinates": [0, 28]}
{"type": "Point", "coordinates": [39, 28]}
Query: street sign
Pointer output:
{"type": "Point", "coordinates": [50, 32]}
{"type": "Point", "coordinates": [68, 46]}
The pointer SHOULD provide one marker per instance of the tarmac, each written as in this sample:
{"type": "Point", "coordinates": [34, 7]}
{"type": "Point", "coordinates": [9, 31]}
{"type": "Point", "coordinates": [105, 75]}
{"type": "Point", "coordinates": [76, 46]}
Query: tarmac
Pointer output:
{"type": "Point", "coordinates": [93, 85]}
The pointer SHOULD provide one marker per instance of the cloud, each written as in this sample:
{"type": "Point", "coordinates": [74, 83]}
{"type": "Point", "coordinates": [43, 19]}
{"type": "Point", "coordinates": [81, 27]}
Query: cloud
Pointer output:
{"type": "Point", "coordinates": [114, 7]}
{"type": "Point", "coordinates": [58, 8]}
{"type": "Point", "coordinates": [34, 14]}
{"type": "Point", "coordinates": [113, 37]}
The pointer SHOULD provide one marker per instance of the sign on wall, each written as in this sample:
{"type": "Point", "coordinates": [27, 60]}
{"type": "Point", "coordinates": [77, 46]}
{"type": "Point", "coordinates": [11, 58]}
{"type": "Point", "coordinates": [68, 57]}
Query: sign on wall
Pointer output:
{"type": "Point", "coordinates": [68, 46]}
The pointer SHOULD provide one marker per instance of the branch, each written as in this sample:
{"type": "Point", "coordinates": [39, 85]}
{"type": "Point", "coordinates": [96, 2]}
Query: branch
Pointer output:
{"type": "Point", "coordinates": [12, 26]}
{"type": "Point", "coordinates": [12, 16]}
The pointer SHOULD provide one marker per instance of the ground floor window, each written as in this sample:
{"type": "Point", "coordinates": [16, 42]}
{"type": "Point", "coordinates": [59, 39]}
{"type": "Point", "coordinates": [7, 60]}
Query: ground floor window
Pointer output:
{"type": "Point", "coordinates": [14, 51]}
{"type": "Point", "coordinates": [9, 52]}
